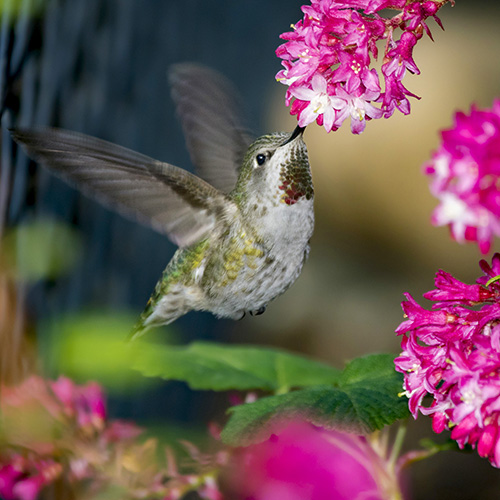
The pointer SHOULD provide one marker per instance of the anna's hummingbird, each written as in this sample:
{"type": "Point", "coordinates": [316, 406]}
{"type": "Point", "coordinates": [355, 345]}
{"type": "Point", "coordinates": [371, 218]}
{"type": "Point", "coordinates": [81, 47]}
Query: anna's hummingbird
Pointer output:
{"type": "Point", "coordinates": [243, 232]}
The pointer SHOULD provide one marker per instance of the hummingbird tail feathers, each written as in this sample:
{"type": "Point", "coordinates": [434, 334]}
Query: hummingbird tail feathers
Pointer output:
{"type": "Point", "coordinates": [138, 331]}
{"type": "Point", "coordinates": [154, 317]}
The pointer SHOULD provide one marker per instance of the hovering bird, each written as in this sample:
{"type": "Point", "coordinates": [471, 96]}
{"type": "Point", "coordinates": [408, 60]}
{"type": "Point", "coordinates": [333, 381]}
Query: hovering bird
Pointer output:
{"type": "Point", "coordinates": [243, 227]}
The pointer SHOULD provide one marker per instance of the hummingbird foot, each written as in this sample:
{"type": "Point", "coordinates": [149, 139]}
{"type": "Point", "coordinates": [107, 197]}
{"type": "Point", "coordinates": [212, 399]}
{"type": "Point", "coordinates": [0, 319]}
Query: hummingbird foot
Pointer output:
{"type": "Point", "coordinates": [259, 311]}
{"type": "Point", "coordinates": [242, 316]}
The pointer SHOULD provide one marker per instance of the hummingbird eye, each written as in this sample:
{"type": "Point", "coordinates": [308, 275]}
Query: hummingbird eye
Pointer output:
{"type": "Point", "coordinates": [261, 159]}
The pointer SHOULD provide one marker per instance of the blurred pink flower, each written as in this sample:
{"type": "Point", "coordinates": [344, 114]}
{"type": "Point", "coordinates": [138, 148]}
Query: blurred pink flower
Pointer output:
{"type": "Point", "coordinates": [84, 403]}
{"type": "Point", "coordinates": [303, 462]}
{"type": "Point", "coordinates": [43, 423]}
{"type": "Point", "coordinates": [452, 352]}
{"type": "Point", "coordinates": [23, 478]}
{"type": "Point", "coordinates": [59, 431]}
{"type": "Point", "coordinates": [327, 60]}
{"type": "Point", "coordinates": [465, 177]}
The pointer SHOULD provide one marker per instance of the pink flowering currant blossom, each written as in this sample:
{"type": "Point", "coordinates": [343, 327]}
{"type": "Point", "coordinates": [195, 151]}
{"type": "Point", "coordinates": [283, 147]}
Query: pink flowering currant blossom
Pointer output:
{"type": "Point", "coordinates": [303, 462]}
{"type": "Point", "coordinates": [327, 60]}
{"type": "Point", "coordinates": [465, 177]}
{"type": "Point", "coordinates": [452, 353]}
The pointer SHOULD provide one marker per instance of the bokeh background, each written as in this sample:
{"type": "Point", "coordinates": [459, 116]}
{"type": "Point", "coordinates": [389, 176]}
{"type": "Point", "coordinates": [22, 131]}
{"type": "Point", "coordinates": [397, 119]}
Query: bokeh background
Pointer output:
{"type": "Point", "coordinates": [99, 66]}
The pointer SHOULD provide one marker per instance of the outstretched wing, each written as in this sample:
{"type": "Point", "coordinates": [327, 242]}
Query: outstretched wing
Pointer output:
{"type": "Point", "coordinates": [167, 198]}
{"type": "Point", "coordinates": [207, 105]}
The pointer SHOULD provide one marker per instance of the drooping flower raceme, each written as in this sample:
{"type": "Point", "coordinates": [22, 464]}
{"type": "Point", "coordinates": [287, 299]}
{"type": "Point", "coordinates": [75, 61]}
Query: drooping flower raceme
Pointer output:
{"type": "Point", "coordinates": [452, 352]}
{"type": "Point", "coordinates": [303, 462]}
{"type": "Point", "coordinates": [465, 177]}
{"type": "Point", "coordinates": [327, 60]}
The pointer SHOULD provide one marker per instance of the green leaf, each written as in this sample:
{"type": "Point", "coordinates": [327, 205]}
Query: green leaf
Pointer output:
{"type": "Point", "coordinates": [218, 367]}
{"type": "Point", "coordinates": [90, 346]}
{"type": "Point", "coordinates": [364, 400]}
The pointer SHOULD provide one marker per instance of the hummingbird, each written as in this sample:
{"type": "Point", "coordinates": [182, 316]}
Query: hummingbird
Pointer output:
{"type": "Point", "coordinates": [242, 226]}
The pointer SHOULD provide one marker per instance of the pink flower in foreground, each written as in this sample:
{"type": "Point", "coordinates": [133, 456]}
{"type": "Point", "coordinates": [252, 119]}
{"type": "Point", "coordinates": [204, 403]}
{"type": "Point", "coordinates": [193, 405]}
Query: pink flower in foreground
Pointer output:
{"type": "Point", "coordinates": [327, 59]}
{"type": "Point", "coordinates": [465, 177]}
{"type": "Point", "coordinates": [452, 352]}
{"type": "Point", "coordinates": [303, 462]}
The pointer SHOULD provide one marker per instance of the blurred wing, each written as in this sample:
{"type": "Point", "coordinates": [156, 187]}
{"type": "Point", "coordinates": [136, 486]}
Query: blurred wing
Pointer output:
{"type": "Point", "coordinates": [207, 105]}
{"type": "Point", "coordinates": [167, 198]}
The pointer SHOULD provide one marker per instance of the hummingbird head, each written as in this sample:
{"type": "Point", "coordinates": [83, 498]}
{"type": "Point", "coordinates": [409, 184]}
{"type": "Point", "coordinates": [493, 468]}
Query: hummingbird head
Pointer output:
{"type": "Point", "coordinates": [275, 171]}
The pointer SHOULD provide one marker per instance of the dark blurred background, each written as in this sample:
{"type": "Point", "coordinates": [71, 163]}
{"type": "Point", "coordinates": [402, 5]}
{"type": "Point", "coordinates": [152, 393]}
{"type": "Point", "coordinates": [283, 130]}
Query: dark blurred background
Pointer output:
{"type": "Point", "coordinates": [99, 67]}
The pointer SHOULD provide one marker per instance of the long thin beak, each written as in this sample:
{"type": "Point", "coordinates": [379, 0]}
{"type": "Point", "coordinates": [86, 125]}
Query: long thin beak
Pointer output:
{"type": "Point", "coordinates": [298, 131]}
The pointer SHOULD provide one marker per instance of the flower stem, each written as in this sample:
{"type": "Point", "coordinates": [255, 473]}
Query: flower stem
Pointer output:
{"type": "Point", "coordinates": [398, 443]}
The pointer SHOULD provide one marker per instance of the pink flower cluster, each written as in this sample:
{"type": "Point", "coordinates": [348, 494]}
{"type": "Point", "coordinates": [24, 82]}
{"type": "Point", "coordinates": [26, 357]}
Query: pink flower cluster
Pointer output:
{"type": "Point", "coordinates": [57, 433]}
{"type": "Point", "coordinates": [303, 462]}
{"type": "Point", "coordinates": [465, 177]}
{"type": "Point", "coordinates": [327, 60]}
{"type": "Point", "coordinates": [42, 420]}
{"type": "Point", "coordinates": [23, 478]}
{"type": "Point", "coordinates": [452, 352]}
